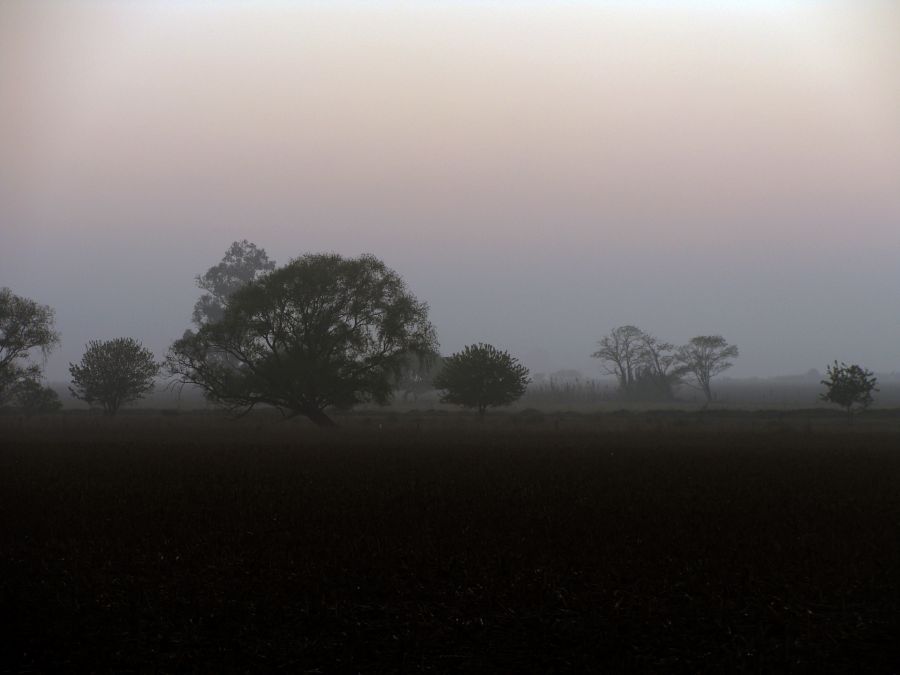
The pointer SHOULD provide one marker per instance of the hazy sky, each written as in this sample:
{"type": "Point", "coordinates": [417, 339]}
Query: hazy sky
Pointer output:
{"type": "Point", "coordinates": [539, 172]}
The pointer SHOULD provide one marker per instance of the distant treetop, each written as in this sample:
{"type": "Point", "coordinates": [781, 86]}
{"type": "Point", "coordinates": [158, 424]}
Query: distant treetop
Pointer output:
{"type": "Point", "coordinates": [243, 262]}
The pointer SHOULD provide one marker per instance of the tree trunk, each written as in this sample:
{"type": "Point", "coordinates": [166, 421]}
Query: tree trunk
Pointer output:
{"type": "Point", "coordinates": [320, 419]}
{"type": "Point", "coordinates": [707, 391]}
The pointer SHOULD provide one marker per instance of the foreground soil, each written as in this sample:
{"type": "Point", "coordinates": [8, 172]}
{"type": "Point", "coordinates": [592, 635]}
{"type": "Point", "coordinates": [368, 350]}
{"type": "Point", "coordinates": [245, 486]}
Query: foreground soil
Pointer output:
{"type": "Point", "coordinates": [165, 545]}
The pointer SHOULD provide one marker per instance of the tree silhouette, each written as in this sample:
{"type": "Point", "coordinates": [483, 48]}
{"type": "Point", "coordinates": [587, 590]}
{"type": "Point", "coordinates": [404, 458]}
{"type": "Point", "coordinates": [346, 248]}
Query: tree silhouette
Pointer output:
{"type": "Point", "coordinates": [481, 376]}
{"type": "Point", "coordinates": [620, 353]}
{"type": "Point", "coordinates": [113, 373]}
{"type": "Point", "coordinates": [704, 357]}
{"type": "Point", "coordinates": [850, 387]}
{"type": "Point", "coordinates": [243, 262]}
{"type": "Point", "coordinates": [642, 363]}
{"type": "Point", "coordinates": [323, 331]}
{"type": "Point", "coordinates": [25, 326]}
{"type": "Point", "coordinates": [656, 374]}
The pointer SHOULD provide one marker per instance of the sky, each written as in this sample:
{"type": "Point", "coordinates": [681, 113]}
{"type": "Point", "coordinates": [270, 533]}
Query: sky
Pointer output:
{"type": "Point", "coordinates": [538, 172]}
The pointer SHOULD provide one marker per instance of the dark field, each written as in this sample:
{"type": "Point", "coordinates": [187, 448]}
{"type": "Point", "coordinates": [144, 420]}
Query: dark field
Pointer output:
{"type": "Point", "coordinates": [401, 543]}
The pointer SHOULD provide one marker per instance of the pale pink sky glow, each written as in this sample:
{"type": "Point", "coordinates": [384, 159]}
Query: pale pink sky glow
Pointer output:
{"type": "Point", "coordinates": [587, 164]}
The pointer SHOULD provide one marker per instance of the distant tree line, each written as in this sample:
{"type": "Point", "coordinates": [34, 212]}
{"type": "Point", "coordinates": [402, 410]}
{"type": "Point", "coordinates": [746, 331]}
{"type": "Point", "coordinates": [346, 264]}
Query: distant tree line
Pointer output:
{"type": "Point", "coordinates": [648, 368]}
{"type": "Point", "coordinates": [325, 332]}
{"type": "Point", "coordinates": [568, 388]}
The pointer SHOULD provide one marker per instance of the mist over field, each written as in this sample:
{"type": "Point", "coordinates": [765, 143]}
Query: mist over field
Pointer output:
{"type": "Point", "coordinates": [537, 173]}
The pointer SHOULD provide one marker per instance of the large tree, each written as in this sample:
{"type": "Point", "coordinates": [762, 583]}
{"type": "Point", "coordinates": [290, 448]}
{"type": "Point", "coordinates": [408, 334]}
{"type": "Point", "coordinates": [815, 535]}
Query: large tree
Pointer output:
{"type": "Point", "coordinates": [323, 331]}
{"type": "Point", "coordinates": [481, 376]}
{"type": "Point", "coordinates": [25, 327]}
{"type": "Point", "coordinates": [113, 373]}
{"type": "Point", "coordinates": [243, 262]}
{"type": "Point", "coordinates": [704, 357]}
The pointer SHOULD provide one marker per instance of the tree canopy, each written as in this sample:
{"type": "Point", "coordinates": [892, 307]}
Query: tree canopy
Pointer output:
{"type": "Point", "coordinates": [481, 376]}
{"type": "Point", "coordinates": [619, 354]}
{"type": "Point", "coordinates": [850, 387]}
{"type": "Point", "coordinates": [243, 262]}
{"type": "Point", "coordinates": [642, 363]}
{"type": "Point", "coordinates": [113, 373]}
{"type": "Point", "coordinates": [704, 357]}
{"type": "Point", "coordinates": [25, 326]}
{"type": "Point", "coordinates": [323, 331]}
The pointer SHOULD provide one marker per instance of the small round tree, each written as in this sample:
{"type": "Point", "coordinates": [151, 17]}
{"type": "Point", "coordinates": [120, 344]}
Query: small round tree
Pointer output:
{"type": "Point", "coordinates": [113, 373]}
{"type": "Point", "coordinates": [850, 387]}
{"type": "Point", "coordinates": [480, 376]}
